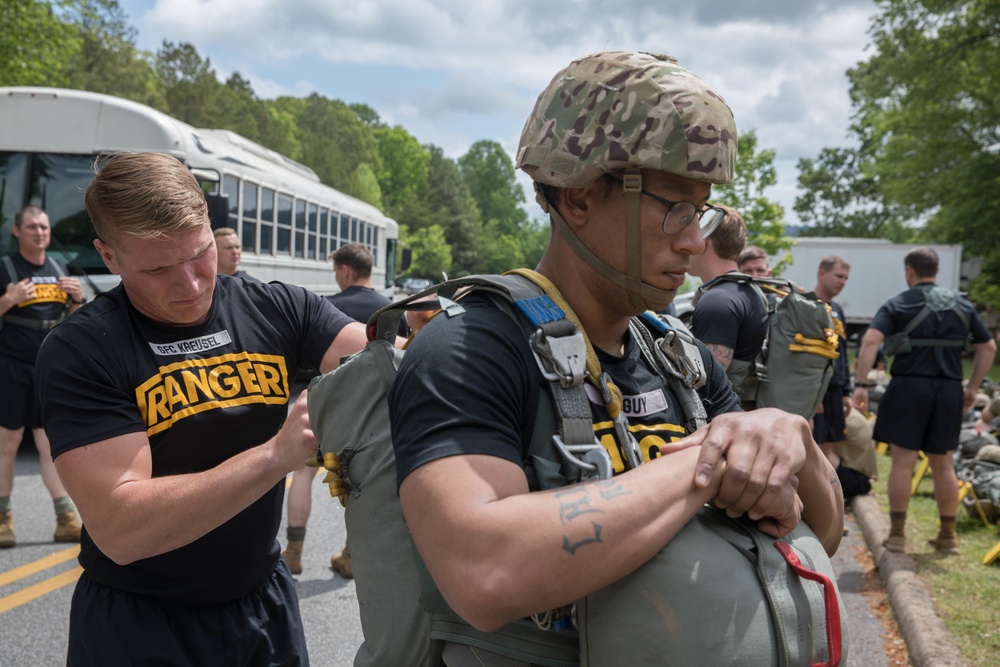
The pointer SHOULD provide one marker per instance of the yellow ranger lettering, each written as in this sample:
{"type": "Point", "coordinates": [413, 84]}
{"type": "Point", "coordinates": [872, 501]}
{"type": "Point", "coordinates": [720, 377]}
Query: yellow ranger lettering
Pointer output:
{"type": "Point", "coordinates": [223, 383]}
{"type": "Point", "coordinates": [248, 377]}
{"type": "Point", "coordinates": [188, 387]}
{"type": "Point", "coordinates": [649, 436]}
{"type": "Point", "coordinates": [46, 293]}
{"type": "Point", "coordinates": [196, 384]}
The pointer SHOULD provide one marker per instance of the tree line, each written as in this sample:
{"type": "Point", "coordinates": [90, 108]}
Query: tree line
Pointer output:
{"type": "Point", "coordinates": [924, 168]}
{"type": "Point", "coordinates": [926, 124]}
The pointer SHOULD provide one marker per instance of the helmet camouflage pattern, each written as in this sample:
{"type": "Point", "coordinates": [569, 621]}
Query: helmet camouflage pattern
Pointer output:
{"type": "Point", "coordinates": [618, 109]}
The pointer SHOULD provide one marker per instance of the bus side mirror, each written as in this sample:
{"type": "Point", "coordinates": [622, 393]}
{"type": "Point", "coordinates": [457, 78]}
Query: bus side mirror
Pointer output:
{"type": "Point", "coordinates": [218, 210]}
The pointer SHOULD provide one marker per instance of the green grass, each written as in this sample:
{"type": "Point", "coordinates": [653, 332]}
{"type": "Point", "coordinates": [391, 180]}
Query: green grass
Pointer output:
{"type": "Point", "coordinates": [965, 591]}
{"type": "Point", "coordinates": [994, 373]}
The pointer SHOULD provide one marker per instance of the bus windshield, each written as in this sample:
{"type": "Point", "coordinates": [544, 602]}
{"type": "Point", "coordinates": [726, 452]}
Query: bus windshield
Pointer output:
{"type": "Point", "coordinates": [56, 183]}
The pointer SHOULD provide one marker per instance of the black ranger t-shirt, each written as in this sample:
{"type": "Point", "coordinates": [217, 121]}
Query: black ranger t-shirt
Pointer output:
{"type": "Point", "coordinates": [841, 378]}
{"type": "Point", "coordinates": [20, 342]}
{"type": "Point", "coordinates": [470, 385]}
{"type": "Point", "coordinates": [202, 394]}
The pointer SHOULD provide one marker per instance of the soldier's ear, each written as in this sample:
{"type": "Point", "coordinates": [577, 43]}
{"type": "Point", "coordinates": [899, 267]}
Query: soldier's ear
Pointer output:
{"type": "Point", "coordinates": [108, 255]}
{"type": "Point", "coordinates": [577, 204]}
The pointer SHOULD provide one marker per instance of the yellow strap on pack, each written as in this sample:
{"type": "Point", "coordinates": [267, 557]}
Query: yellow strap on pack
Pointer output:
{"type": "Point", "coordinates": [614, 406]}
{"type": "Point", "coordinates": [826, 348]}
{"type": "Point", "coordinates": [330, 461]}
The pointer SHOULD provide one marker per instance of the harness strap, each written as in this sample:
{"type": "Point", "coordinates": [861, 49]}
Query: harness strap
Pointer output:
{"type": "Point", "coordinates": [28, 323]}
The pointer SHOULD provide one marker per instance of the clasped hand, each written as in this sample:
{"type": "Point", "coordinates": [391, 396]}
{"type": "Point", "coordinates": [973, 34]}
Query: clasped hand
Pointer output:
{"type": "Point", "coordinates": [762, 451]}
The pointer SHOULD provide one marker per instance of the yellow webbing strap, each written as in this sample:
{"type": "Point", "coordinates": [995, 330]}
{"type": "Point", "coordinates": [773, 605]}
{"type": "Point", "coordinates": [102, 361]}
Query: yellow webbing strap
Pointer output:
{"type": "Point", "coordinates": [820, 347]}
{"type": "Point", "coordinates": [614, 406]}
{"type": "Point", "coordinates": [330, 461]}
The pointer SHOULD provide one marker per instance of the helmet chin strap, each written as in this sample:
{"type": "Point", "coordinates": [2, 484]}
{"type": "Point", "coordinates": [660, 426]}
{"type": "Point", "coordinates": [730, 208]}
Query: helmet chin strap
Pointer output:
{"type": "Point", "coordinates": [641, 295]}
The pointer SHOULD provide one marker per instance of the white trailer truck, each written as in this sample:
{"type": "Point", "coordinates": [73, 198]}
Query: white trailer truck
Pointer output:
{"type": "Point", "coordinates": [876, 271]}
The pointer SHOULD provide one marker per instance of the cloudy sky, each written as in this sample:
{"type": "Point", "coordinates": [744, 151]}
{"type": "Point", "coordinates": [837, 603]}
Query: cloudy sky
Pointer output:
{"type": "Point", "coordinates": [455, 71]}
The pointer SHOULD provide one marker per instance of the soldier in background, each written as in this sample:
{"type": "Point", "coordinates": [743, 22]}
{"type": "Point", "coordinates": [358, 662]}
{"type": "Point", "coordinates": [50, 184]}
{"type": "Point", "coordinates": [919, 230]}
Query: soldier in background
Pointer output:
{"type": "Point", "coordinates": [35, 296]}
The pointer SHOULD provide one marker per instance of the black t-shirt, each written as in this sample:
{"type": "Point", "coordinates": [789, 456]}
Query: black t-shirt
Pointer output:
{"type": "Point", "coordinates": [50, 303]}
{"type": "Point", "coordinates": [929, 361]}
{"type": "Point", "coordinates": [841, 378]}
{"type": "Point", "coordinates": [470, 385]}
{"type": "Point", "coordinates": [245, 276]}
{"type": "Point", "coordinates": [731, 314]}
{"type": "Point", "coordinates": [202, 394]}
{"type": "Point", "coordinates": [358, 302]}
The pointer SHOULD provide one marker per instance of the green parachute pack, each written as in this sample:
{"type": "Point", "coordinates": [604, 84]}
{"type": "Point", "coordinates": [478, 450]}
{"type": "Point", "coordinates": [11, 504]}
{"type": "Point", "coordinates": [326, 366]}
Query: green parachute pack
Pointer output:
{"type": "Point", "coordinates": [793, 368]}
{"type": "Point", "coordinates": [721, 592]}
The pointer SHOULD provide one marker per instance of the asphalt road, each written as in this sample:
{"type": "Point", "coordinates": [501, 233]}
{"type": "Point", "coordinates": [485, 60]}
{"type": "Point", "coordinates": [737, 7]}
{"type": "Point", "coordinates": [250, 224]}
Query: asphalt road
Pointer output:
{"type": "Point", "coordinates": [37, 576]}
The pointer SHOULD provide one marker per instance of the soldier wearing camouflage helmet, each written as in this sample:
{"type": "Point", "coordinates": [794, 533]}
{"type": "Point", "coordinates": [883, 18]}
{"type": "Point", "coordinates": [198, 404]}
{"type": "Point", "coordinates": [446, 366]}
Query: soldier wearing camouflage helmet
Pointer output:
{"type": "Point", "coordinates": [623, 148]}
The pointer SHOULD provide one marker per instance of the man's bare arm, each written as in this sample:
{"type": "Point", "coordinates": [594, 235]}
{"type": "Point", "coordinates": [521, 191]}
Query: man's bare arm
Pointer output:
{"type": "Point", "coordinates": [723, 355]}
{"type": "Point", "coordinates": [131, 515]}
{"type": "Point", "coordinates": [499, 553]}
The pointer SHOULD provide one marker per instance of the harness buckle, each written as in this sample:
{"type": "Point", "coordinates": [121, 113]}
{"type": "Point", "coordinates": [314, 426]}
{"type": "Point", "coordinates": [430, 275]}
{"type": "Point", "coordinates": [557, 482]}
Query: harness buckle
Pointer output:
{"type": "Point", "coordinates": [561, 359]}
{"type": "Point", "coordinates": [677, 363]}
{"type": "Point", "coordinates": [595, 462]}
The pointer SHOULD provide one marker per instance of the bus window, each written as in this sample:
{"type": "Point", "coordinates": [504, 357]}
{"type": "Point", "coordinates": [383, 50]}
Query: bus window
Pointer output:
{"type": "Point", "coordinates": [13, 178]}
{"type": "Point", "coordinates": [55, 184]}
{"type": "Point", "coordinates": [284, 241]}
{"type": "Point", "coordinates": [300, 228]}
{"type": "Point", "coordinates": [266, 221]}
{"type": "Point", "coordinates": [313, 213]}
{"type": "Point", "coordinates": [231, 187]}
{"type": "Point", "coordinates": [249, 232]}
{"type": "Point", "coordinates": [323, 234]}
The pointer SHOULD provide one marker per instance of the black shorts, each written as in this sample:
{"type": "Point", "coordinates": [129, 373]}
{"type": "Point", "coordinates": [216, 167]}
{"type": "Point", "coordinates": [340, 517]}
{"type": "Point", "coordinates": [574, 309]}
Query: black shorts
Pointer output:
{"type": "Point", "coordinates": [831, 424]}
{"type": "Point", "coordinates": [112, 627]}
{"type": "Point", "coordinates": [920, 413]}
{"type": "Point", "coordinates": [852, 482]}
{"type": "Point", "coordinates": [18, 407]}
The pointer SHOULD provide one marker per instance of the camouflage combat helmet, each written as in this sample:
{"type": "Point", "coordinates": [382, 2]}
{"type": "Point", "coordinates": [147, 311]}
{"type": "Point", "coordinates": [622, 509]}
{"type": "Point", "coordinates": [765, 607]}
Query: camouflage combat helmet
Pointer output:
{"type": "Point", "coordinates": [624, 110]}
{"type": "Point", "coordinates": [619, 109]}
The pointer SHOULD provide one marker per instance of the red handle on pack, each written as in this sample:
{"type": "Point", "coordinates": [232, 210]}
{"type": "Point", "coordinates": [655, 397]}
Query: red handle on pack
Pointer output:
{"type": "Point", "coordinates": [833, 633]}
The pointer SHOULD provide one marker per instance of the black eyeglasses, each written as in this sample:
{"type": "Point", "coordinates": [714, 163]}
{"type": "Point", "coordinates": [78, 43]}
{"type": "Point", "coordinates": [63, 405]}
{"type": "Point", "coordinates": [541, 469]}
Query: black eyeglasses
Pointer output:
{"type": "Point", "coordinates": [679, 214]}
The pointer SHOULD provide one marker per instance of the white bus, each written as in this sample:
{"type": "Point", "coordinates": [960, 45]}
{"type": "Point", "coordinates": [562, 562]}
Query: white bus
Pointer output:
{"type": "Point", "coordinates": [288, 221]}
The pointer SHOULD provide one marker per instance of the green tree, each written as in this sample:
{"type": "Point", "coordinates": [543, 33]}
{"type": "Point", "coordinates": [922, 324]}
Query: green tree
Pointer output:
{"type": "Point", "coordinates": [755, 173]}
{"type": "Point", "coordinates": [431, 251]}
{"type": "Point", "coordinates": [489, 173]}
{"type": "Point", "coordinates": [35, 43]}
{"type": "Point", "coordinates": [841, 196]}
{"type": "Point", "coordinates": [190, 86]}
{"type": "Point", "coordinates": [108, 60]}
{"type": "Point", "coordinates": [927, 107]}
{"type": "Point", "coordinates": [448, 203]}
{"type": "Point", "coordinates": [403, 171]}
{"type": "Point", "coordinates": [334, 142]}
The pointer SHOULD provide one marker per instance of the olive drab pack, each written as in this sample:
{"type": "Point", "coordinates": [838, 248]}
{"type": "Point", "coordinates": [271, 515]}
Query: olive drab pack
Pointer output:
{"type": "Point", "coordinates": [774, 614]}
{"type": "Point", "coordinates": [937, 299]}
{"type": "Point", "coordinates": [795, 364]}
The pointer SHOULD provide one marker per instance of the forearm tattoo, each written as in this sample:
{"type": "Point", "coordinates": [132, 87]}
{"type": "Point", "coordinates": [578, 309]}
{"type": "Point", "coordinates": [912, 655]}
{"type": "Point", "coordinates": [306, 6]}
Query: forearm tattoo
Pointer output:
{"type": "Point", "coordinates": [585, 500]}
{"type": "Point", "coordinates": [722, 354]}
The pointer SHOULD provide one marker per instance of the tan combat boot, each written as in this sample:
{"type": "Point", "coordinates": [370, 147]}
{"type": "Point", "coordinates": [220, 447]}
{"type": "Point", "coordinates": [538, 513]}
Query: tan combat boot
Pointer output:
{"type": "Point", "coordinates": [945, 544]}
{"type": "Point", "coordinates": [341, 563]}
{"type": "Point", "coordinates": [293, 555]}
{"type": "Point", "coordinates": [7, 530]}
{"type": "Point", "coordinates": [67, 527]}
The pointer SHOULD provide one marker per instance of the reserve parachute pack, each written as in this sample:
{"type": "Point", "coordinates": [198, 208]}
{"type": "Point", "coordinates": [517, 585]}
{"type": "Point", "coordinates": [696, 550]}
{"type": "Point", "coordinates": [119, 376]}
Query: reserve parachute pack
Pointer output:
{"type": "Point", "coordinates": [795, 364]}
{"type": "Point", "coordinates": [937, 299]}
{"type": "Point", "coordinates": [731, 594]}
